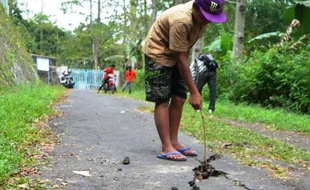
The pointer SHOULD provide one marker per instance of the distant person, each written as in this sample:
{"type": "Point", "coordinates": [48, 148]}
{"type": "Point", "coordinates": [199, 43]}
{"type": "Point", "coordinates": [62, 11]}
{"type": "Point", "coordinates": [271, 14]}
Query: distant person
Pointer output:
{"type": "Point", "coordinates": [130, 75]}
{"type": "Point", "coordinates": [203, 71]}
{"type": "Point", "coordinates": [107, 71]}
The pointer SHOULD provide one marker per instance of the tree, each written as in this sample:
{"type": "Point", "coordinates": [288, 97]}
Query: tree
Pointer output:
{"type": "Point", "coordinates": [68, 6]}
{"type": "Point", "coordinates": [11, 4]}
{"type": "Point", "coordinates": [154, 12]}
{"type": "Point", "coordinates": [177, 2]}
{"type": "Point", "coordinates": [96, 43]}
{"type": "Point", "coordinates": [41, 18]}
{"type": "Point", "coordinates": [259, 10]}
{"type": "Point", "coordinates": [239, 27]}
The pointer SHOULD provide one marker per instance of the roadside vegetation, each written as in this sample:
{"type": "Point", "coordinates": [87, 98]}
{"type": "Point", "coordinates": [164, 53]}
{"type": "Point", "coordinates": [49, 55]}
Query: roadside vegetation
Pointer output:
{"type": "Point", "coordinates": [276, 118]}
{"type": "Point", "coordinates": [23, 111]}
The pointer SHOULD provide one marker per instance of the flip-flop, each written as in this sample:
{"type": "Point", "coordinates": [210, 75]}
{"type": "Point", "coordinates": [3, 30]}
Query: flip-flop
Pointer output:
{"type": "Point", "coordinates": [182, 151]}
{"type": "Point", "coordinates": [165, 156]}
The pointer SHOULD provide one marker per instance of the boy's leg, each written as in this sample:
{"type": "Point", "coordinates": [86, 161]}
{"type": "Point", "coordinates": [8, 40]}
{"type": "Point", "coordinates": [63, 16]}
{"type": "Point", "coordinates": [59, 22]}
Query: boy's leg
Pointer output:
{"type": "Point", "coordinates": [175, 114]}
{"type": "Point", "coordinates": [178, 90]}
{"type": "Point", "coordinates": [161, 116]}
{"type": "Point", "coordinates": [159, 92]}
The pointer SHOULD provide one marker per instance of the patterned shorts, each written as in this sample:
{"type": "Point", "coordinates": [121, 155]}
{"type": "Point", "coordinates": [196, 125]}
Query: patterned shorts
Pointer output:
{"type": "Point", "coordinates": [162, 82]}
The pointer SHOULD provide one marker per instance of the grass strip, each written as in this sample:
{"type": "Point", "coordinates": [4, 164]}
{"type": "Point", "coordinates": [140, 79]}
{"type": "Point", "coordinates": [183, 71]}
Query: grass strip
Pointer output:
{"type": "Point", "coordinates": [20, 108]}
{"type": "Point", "coordinates": [278, 119]}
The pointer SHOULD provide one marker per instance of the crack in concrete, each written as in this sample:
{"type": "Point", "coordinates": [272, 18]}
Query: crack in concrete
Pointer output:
{"type": "Point", "coordinates": [205, 170]}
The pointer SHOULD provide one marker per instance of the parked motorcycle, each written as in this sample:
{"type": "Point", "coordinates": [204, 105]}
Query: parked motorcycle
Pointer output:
{"type": "Point", "coordinates": [110, 85]}
{"type": "Point", "coordinates": [66, 80]}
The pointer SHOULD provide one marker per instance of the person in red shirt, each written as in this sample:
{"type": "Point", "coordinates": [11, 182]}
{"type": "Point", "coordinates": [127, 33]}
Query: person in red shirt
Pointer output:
{"type": "Point", "coordinates": [107, 71]}
{"type": "Point", "coordinates": [130, 75]}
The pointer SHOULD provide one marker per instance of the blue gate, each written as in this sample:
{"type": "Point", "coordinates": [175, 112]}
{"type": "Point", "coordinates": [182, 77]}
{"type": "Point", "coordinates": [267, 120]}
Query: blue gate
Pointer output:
{"type": "Point", "coordinates": [89, 79]}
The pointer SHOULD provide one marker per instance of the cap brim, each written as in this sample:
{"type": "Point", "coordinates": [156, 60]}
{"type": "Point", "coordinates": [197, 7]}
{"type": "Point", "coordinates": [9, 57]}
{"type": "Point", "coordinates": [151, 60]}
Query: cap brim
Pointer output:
{"type": "Point", "coordinates": [216, 18]}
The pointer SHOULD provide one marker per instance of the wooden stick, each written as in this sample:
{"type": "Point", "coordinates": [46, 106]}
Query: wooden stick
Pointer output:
{"type": "Point", "coordinates": [204, 137]}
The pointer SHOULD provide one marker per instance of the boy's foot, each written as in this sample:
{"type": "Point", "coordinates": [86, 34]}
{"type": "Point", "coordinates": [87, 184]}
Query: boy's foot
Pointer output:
{"type": "Point", "coordinates": [173, 156]}
{"type": "Point", "coordinates": [187, 152]}
{"type": "Point", "coordinates": [170, 153]}
{"type": "Point", "coordinates": [184, 150]}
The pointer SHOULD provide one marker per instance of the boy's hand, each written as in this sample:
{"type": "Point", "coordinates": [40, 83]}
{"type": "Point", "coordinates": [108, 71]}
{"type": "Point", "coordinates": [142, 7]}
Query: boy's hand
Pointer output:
{"type": "Point", "coordinates": [195, 101]}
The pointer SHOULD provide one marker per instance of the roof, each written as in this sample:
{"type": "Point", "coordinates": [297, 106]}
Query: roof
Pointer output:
{"type": "Point", "coordinates": [36, 55]}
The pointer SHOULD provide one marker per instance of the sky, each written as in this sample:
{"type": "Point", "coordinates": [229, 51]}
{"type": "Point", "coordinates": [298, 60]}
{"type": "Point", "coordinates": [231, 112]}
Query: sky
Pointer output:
{"type": "Point", "coordinates": [67, 21]}
{"type": "Point", "coordinates": [52, 8]}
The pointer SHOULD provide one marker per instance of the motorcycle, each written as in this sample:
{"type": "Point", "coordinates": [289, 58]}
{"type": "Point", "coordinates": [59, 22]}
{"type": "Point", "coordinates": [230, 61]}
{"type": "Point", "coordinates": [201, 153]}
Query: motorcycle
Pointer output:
{"type": "Point", "coordinates": [110, 85]}
{"type": "Point", "coordinates": [66, 80]}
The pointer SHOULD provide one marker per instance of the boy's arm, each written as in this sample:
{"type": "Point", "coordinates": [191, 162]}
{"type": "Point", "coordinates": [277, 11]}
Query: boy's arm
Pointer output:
{"type": "Point", "coordinates": [183, 66]}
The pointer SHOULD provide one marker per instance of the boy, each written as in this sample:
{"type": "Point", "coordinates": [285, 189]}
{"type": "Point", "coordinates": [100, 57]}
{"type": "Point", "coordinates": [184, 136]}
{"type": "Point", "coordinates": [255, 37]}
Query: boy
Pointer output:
{"type": "Point", "coordinates": [167, 72]}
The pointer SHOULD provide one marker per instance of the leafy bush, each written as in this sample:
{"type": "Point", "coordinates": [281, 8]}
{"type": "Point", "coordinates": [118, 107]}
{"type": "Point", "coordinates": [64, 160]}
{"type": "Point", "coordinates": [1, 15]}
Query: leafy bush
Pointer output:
{"type": "Point", "coordinates": [276, 78]}
{"type": "Point", "coordinates": [139, 81]}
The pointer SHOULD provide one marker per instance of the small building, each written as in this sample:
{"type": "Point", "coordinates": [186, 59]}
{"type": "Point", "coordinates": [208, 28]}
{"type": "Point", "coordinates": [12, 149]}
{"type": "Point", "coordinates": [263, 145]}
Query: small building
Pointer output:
{"type": "Point", "coordinates": [46, 68]}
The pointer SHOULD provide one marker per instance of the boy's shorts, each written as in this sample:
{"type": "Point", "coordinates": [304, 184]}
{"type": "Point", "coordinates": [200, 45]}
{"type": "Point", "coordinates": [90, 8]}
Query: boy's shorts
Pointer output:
{"type": "Point", "coordinates": [162, 82]}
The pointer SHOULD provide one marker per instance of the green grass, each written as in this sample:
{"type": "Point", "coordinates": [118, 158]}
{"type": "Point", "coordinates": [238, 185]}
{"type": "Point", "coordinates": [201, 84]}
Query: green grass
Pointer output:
{"type": "Point", "coordinates": [136, 94]}
{"type": "Point", "coordinates": [20, 107]}
{"type": "Point", "coordinates": [275, 118]}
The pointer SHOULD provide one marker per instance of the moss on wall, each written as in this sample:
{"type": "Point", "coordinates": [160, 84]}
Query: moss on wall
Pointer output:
{"type": "Point", "coordinates": [16, 65]}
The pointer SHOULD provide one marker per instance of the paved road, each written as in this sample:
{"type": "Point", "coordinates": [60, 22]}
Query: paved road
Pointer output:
{"type": "Point", "coordinates": [97, 131]}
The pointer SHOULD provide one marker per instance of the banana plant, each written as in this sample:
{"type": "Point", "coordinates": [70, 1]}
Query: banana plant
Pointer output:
{"type": "Point", "coordinates": [133, 53]}
{"type": "Point", "coordinates": [265, 36]}
{"type": "Point", "coordinates": [223, 43]}
{"type": "Point", "coordinates": [299, 11]}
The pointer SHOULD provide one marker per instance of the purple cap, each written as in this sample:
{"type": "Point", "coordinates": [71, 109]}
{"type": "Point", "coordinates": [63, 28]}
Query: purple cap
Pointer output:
{"type": "Point", "coordinates": [212, 10]}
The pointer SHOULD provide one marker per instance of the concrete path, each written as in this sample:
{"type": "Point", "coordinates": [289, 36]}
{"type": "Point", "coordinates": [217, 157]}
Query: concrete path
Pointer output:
{"type": "Point", "coordinates": [98, 131]}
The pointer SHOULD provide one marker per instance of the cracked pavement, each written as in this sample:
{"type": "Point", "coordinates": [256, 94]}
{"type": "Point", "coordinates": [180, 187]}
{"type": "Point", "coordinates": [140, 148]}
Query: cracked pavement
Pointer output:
{"type": "Point", "coordinates": [98, 131]}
